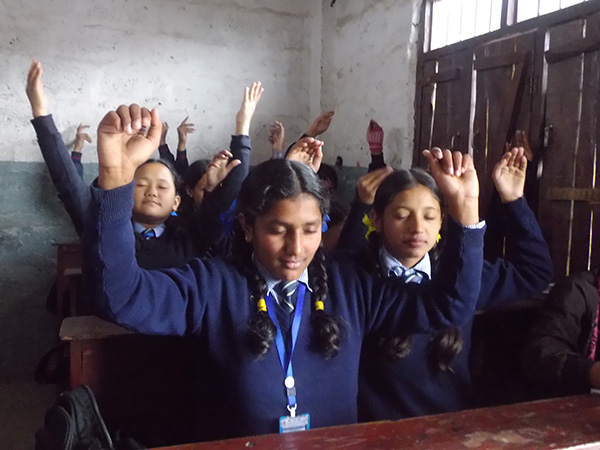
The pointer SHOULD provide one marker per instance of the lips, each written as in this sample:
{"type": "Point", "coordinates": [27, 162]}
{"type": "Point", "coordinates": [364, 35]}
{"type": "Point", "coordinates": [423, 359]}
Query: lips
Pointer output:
{"type": "Point", "coordinates": [291, 264]}
{"type": "Point", "coordinates": [415, 242]}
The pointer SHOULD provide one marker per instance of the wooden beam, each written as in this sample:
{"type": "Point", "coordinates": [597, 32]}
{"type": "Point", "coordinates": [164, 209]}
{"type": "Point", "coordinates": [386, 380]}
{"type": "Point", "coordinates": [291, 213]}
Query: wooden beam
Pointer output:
{"type": "Point", "coordinates": [589, 195]}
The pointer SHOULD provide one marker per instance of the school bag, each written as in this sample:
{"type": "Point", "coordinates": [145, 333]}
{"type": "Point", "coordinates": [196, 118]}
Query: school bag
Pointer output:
{"type": "Point", "coordinates": [74, 423]}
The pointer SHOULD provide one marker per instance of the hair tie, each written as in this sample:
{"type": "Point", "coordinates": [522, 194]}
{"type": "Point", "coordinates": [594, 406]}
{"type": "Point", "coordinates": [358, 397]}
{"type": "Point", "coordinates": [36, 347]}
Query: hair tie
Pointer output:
{"type": "Point", "coordinates": [367, 221]}
{"type": "Point", "coordinates": [439, 238]}
{"type": "Point", "coordinates": [319, 306]}
{"type": "Point", "coordinates": [326, 220]}
{"type": "Point", "coordinates": [261, 305]}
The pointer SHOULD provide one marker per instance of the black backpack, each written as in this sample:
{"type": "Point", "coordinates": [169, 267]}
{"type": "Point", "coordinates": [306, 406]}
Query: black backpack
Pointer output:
{"type": "Point", "coordinates": [74, 423]}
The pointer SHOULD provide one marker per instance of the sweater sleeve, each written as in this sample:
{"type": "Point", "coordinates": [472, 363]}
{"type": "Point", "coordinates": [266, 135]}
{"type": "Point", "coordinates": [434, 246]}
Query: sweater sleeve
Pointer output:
{"type": "Point", "coordinates": [554, 355]}
{"type": "Point", "coordinates": [447, 301]}
{"type": "Point", "coordinates": [167, 302]}
{"type": "Point", "coordinates": [206, 221]}
{"type": "Point", "coordinates": [165, 153]}
{"type": "Point", "coordinates": [353, 234]}
{"type": "Point", "coordinates": [527, 266]}
{"type": "Point", "coordinates": [76, 158]}
{"type": "Point", "coordinates": [181, 162]}
{"type": "Point", "coordinates": [72, 190]}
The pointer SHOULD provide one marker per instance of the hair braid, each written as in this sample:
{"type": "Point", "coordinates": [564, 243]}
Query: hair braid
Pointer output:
{"type": "Point", "coordinates": [326, 329]}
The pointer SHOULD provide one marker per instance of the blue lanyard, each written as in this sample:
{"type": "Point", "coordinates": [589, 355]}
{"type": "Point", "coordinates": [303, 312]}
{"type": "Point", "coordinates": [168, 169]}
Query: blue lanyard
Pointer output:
{"type": "Point", "coordinates": [286, 363]}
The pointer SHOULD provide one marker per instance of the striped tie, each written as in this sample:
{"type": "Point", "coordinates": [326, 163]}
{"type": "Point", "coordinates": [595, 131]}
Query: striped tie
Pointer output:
{"type": "Point", "coordinates": [288, 289]}
{"type": "Point", "coordinates": [148, 233]}
{"type": "Point", "coordinates": [406, 275]}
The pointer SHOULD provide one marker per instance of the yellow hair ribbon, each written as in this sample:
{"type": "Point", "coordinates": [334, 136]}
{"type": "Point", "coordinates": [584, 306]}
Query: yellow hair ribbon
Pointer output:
{"type": "Point", "coordinates": [261, 305]}
{"type": "Point", "coordinates": [369, 225]}
{"type": "Point", "coordinates": [439, 238]}
{"type": "Point", "coordinates": [319, 306]}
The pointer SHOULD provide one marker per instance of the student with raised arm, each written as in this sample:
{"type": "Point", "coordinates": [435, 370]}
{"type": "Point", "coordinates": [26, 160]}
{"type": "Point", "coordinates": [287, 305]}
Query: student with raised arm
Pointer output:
{"type": "Point", "coordinates": [181, 161]}
{"type": "Point", "coordinates": [80, 137]}
{"type": "Point", "coordinates": [280, 324]}
{"type": "Point", "coordinates": [319, 126]}
{"type": "Point", "coordinates": [161, 240]}
{"type": "Point", "coordinates": [407, 375]}
{"type": "Point", "coordinates": [277, 139]}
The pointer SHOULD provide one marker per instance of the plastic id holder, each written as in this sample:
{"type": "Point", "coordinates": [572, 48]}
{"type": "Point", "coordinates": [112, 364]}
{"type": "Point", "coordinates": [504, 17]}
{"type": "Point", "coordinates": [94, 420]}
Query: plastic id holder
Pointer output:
{"type": "Point", "coordinates": [289, 424]}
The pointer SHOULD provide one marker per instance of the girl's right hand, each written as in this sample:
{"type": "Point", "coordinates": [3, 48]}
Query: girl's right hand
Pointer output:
{"type": "Point", "coordinates": [455, 175]}
{"type": "Point", "coordinates": [121, 149]}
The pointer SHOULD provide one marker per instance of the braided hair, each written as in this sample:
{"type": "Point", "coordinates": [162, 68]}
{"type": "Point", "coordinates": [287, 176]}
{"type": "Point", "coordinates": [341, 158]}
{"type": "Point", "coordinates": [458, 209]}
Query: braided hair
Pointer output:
{"type": "Point", "coordinates": [268, 183]}
{"type": "Point", "coordinates": [445, 345]}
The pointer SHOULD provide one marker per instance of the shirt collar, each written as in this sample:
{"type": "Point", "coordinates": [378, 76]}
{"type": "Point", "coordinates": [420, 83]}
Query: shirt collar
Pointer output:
{"type": "Point", "coordinates": [388, 262]}
{"type": "Point", "coordinates": [271, 281]}
{"type": "Point", "coordinates": [158, 229]}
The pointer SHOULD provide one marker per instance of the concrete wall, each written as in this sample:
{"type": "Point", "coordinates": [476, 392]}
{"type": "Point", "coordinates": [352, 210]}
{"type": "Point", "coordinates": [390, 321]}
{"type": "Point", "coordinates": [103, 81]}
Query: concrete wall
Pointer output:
{"type": "Point", "coordinates": [369, 66]}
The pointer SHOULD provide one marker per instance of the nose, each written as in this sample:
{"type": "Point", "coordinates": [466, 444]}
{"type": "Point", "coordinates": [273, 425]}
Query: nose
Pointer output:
{"type": "Point", "coordinates": [151, 191]}
{"type": "Point", "coordinates": [417, 224]}
{"type": "Point", "coordinates": [294, 242]}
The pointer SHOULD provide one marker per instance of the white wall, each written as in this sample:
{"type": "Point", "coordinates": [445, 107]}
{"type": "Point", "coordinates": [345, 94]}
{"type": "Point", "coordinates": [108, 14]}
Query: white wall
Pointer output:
{"type": "Point", "coordinates": [187, 57]}
{"type": "Point", "coordinates": [369, 67]}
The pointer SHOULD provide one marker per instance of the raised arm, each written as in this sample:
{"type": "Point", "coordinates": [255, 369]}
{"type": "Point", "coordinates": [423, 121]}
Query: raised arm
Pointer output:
{"type": "Point", "coordinates": [277, 139]}
{"type": "Point", "coordinates": [375, 140]}
{"type": "Point", "coordinates": [526, 268]}
{"type": "Point", "coordinates": [72, 190]}
{"type": "Point", "coordinates": [450, 298]}
{"type": "Point", "coordinates": [181, 161]}
{"type": "Point", "coordinates": [156, 302]}
{"type": "Point", "coordinates": [80, 138]}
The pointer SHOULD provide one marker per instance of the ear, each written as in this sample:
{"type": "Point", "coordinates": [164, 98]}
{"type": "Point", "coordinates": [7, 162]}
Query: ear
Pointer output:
{"type": "Point", "coordinates": [176, 202]}
{"type": "Point", "coordinates": [189, 192]}
{"type": "Point", "coordinates": [248, 230]}
{"type": "Point", "coordinates": [376, 220]}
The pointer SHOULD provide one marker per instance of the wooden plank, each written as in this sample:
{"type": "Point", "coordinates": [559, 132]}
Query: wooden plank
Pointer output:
{"type": "Point", "coordinates": [444, 76]}
{"type": "Point", "coordinates": [573, 194]}
{"type": "Point", "coordinates": [507, 59]}
{"type": "Point", "coordinates": [452, 104]}
{"type": "Point", "coordinates": [89, 327]}
{"type": "Point", "coordinates": [573, 49]}
{"type": "Point", "coordinates": [425, 117]}
{"type": "Point", "coordinates": [557, 423]}
{"type": "Point", "coordinates": [562, 112]}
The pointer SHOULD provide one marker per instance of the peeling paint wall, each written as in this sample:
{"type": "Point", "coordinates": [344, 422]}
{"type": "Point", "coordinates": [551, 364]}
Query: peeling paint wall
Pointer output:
{"type": "Point", "coordinates": [369, 68]}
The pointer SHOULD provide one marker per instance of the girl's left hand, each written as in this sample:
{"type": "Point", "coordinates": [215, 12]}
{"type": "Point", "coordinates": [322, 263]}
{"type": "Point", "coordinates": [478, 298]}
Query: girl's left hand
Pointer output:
{"type": "Point", "coordinates": [121, 149]}
{"type": "Point", "coordinates": [509, 175]}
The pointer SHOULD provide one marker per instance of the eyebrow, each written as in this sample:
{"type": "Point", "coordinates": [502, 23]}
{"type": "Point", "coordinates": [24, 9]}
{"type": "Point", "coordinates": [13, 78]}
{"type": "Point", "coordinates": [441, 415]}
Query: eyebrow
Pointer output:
{"type": "Point", "coordinates": [287, 224]}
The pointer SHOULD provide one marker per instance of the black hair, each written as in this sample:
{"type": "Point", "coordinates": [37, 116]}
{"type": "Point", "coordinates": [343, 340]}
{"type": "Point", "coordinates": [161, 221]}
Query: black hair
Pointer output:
{"type": "Point", "coordinates": [169, 165]}
{"type": "Point", "coordinates": [268, 183]}
{"type": "Point", "coordinates": [194, 173]}
{"type": "Point", "coordinates": [447, 344]}
{"type": "Point", "coordinates": [326, 172]}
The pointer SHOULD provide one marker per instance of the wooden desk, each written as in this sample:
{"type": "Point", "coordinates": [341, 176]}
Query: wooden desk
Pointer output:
{"type": "Point", "coordinates": [143, 384]}
{"type": "Point", "coordinates": [557, 423]}
{"type": "Point", "coordinates": [68, 277]}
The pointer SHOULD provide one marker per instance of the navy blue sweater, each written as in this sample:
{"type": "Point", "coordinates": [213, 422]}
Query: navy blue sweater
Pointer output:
{"type": "Point", "coordinates": [410, 387]}
{"type": "Point", "coordinates": [182, 240]}
{"type": "Point", "coordinates": [210, 299]}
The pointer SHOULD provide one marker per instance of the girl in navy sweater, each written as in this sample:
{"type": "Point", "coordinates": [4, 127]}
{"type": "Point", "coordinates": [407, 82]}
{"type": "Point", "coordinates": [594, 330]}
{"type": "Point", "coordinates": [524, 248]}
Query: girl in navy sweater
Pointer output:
{"type": "Point", "coordinates": [278, 300]}
{"type": "Point", "coordinates": [404, 374]}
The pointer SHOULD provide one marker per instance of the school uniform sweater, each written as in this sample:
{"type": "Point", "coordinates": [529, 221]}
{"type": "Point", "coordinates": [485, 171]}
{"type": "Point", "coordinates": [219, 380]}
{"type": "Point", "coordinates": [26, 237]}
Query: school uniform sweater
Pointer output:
{"type": "Point", "coordinates": [183, 239]}
{"type": "Point", "coordinates": [210, 299]}
{"type": "Point", "coordinates": [409, 387]}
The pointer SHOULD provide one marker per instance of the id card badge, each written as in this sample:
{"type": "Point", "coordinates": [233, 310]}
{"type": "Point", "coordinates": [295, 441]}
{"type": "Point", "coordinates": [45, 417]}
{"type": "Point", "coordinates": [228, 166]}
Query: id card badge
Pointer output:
{"type": "Point", "coordinates": [289, 424]}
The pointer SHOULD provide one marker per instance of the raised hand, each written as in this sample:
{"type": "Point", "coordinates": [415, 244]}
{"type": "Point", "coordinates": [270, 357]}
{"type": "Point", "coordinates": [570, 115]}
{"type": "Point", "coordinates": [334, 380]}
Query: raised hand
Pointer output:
{"type": "Point", "coordinates": [80, 137]}
{"type": "Point", "coordinates": [121, 149]}
{"type": "Point", "coordinates": [277, 136]}
{"type": "Point", "coordinates": [35, 90]}
{"type": "Point", "coordinates": [369, 183]}
{"type": "Point", "coordinates": [163, 133]}
{"type": "Point", "coordinates": [183, 130]}
{"type": "Point", "coordinates": [218, 169]}
{"type": "Point", "coordinates": [375, 137]}
{"type": "Point", "coordinates": [308, 151]}
{"type": "Point", "coordinates": [523, 141]}
{"type": "Point", "coordinates": [251, 98]}
{"type": "Point", "coordinates": [509, 175]}
{"type": "Point", "coordinates": [321, 124]}
{"type": "Point", "coordinates": [456, 177]}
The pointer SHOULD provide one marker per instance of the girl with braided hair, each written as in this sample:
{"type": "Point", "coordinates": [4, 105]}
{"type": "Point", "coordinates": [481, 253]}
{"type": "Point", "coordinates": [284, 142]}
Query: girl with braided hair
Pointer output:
{"type": "Point", "coordinates": [407, 375]}
{"type": "Point", "coordinates": [280, 325]}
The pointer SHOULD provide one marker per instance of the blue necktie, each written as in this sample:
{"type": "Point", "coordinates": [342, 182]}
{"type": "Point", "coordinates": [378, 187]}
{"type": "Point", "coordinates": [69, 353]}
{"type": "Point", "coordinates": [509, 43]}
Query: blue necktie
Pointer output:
{"type": "Point", "coordinates": [406, 275]}
{"type": "Point", "coordinates": [148, 233]}
{"type": "Point", "coordinates": [287, 289]}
